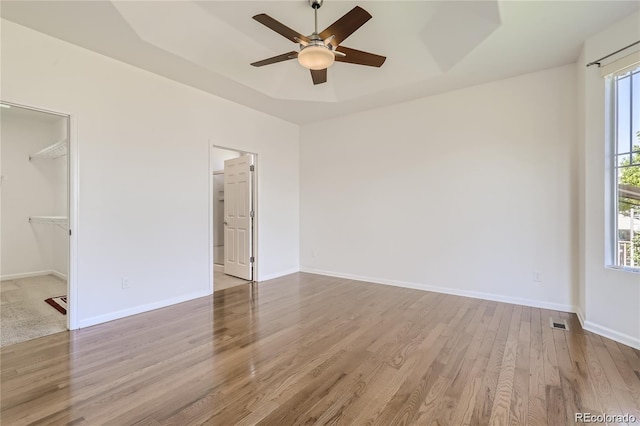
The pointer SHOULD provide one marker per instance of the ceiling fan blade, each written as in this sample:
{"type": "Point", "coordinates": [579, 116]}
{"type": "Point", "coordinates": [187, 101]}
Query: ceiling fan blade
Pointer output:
{"type": "Point", "coordinates": [280, 28]}
{"type": "Point", "coordinates": [346, 25]}
{"type": "Point", "coordinates": [279, 58]}
{"type": "Point", "coordinates": [319, 76]}
{"type": "Point", "coordinates": [359, 57]}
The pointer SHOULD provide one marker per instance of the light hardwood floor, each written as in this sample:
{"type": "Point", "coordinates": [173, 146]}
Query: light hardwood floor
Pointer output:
{"type": "Point", "coordinates": [307, 349]}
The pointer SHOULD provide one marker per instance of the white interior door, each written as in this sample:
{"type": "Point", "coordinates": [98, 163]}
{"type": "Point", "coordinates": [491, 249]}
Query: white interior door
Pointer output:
{"type": "Point", "coordinates": [237, 217]}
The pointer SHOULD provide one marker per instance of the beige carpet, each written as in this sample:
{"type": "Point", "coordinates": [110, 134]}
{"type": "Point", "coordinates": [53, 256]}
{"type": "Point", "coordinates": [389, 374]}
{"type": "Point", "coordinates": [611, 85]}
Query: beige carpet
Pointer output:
{"type": "Point", "coordinates": [222, 281]}
{"type": "Point", "coordinates": [23, 313]}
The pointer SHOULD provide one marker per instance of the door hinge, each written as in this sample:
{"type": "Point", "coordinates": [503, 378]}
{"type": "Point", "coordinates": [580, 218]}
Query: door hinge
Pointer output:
{"type": "Point", "coordinates": [252, 168]}
{"type": "Point", "coordinates": [251, 214]}
{"type": "Point", "coordinates": [69, 232]}
{"type": "Point", "coordinates": [252, 259]}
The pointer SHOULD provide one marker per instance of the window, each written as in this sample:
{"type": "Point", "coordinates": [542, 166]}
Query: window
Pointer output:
{"type": "Point", "coordinates": [626, 136]}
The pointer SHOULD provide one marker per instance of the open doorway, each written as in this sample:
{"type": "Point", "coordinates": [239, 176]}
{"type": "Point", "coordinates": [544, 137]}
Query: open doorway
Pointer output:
{"type": "Point", "coordinates": [34, 255]}
{"type": "Point", "coordinates": [233, 217]}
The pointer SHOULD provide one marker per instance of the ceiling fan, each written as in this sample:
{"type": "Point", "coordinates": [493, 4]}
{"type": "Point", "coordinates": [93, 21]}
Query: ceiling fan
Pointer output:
{"type": "Point", "coordinates": [319, 50]}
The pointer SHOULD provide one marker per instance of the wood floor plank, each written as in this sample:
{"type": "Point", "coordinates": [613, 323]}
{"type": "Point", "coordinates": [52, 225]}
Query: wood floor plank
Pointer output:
{"type": "Point", "coordinates": [411, 350]}
{"type": "Point", "coordinates": [556, 412]}
{"type": "Point", "coordinates": [537, 394]}
{"type": "Point", "coordinates": [309, 349]}
{"type": "Point", "coordinates": [628, 400]}
{"type": "Point", "coordinates": [502, 400]}
{"type": "Point", "coordinates": [598, 374]}
{"type": "Point", "coordinates": [465, 405]}
{"type": "Point", "coordinates": [632, 356]}
{"type": "Point", "coordinates": [568, 375]}
{"type": "Point", "coordinates": [551, 373]}
{"type": "Point", "coordinates": [624, 390]}
{"type": "Point", "coordinates": [406, 403]}
{"type": "Point", "coordinates": [519, 410]}
{"type": "Point", "coordinates": [484, 404]}
{"type": "Point", "coordinates": [454, 406]}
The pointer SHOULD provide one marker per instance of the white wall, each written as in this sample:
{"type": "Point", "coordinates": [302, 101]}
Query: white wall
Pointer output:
{"type": "Point", "coordinates": [610, 299]}
{"type": "Point", "coordinates": [143, 146]}
{"type": "Point", "coordinates": [467, 192]}
{"type": "Point", "coordinates": [31, 188]}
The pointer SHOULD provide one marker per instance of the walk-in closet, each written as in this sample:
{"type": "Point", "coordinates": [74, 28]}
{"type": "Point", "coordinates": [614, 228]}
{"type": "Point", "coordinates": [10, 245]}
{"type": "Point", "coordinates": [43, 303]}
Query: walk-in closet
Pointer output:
{"type": "Point", "coordinates": [34, 252]}
{"type": "Point", "coordinates": [232, 194]}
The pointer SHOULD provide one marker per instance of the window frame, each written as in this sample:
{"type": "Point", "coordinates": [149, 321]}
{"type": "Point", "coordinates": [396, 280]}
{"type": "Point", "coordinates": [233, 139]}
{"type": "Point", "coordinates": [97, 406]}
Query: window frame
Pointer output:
{"type": "Point", "coordinates": [611, 133]}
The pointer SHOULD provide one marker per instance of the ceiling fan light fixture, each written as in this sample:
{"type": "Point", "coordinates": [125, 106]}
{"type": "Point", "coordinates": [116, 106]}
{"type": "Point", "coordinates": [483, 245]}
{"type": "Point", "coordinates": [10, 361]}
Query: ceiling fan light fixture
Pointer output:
{"type": "Point", "coordinates": [315, 57]}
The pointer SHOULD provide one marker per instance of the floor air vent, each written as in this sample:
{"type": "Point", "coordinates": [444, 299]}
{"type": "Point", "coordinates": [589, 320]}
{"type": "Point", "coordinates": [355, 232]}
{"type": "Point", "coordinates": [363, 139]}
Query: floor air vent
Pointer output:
{"type": "Point", "coordinates": [559, 324]}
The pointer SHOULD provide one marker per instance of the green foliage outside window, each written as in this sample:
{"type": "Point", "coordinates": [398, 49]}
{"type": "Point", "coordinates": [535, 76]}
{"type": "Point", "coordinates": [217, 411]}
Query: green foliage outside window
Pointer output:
{"type": "Point", "coordinates": [631, 176]}
{"type": "Point", "coordinates": [636, 249]}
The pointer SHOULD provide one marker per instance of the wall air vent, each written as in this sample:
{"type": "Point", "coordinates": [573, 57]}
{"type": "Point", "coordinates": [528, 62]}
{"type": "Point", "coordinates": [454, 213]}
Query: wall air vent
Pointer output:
{"type": "Point", "coordinates": [559, 324]}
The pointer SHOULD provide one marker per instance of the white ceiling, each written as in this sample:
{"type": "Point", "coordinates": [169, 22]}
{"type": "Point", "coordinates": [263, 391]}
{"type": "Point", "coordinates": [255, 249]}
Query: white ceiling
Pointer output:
{"type": "Point", "coordinates": [431, 46]}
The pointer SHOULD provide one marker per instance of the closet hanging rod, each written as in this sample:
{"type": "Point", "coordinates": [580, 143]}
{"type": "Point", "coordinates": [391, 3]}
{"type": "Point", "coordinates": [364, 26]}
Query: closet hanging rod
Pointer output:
{"type": "Point", "coordinates": [597, 61]}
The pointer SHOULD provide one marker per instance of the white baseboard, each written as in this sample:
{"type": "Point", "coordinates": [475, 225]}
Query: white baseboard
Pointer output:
{"type": "Point", "coordinates": [625, 339]}
{"type": "Point", "coordinates": [60, 275]}
{"type": "Point", "coordinates": [219, 268]}
{"type": "Point", "coordinates": [267, 277]}
{"type": "Point", "coordinates": [447, 290]}
{"type": "Point", "coordinates": [27, 275]}
{"type": "Point", "coordinates": [580, 317]}
{"type": "Point", "coordinates": [607, 332]}
{"type": "Point", "coordinates": [88, 322]}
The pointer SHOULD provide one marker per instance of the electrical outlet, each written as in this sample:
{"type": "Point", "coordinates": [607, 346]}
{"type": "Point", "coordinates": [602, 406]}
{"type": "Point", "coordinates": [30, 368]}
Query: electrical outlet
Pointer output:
{"type": "Point", "coordinates": [537, 276]}
{"type": "Point", "coordinates": [125, 283]}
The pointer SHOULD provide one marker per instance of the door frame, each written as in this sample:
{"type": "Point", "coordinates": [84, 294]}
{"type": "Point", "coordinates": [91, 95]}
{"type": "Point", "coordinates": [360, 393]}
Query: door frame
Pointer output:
{"type": "Point", "coordinates": [254, 202]}
{"type": "Point", "coordinates": [213, 248]}
{"type": "Point", "coordinates": [72, 206]}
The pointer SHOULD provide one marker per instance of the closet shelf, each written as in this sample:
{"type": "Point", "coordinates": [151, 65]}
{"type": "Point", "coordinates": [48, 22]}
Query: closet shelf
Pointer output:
{"type": "Point", "coordinates": [61, 221]}
{"type": "Point", "coordinates": [56, 150]}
